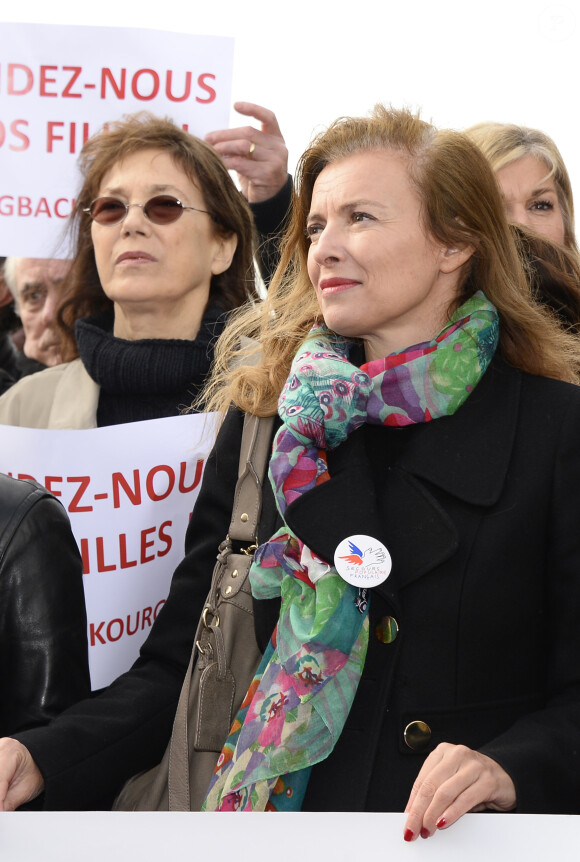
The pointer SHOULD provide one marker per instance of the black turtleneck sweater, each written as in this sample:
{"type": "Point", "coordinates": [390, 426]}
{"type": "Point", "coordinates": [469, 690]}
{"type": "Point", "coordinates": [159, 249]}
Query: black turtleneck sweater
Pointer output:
{"type": "Point", "coordinates": [147, 379]}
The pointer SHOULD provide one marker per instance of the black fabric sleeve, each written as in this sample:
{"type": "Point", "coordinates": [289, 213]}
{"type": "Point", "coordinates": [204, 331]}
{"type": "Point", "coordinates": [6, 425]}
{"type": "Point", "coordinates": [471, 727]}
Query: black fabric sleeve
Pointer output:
{"type": "Point", "coordinates": [269, 218]}
{"type": "Point", "coordinates": [541, 751]}
{"type": "Point", "coordinates": [89, 751]}
{"type": "Point", "coordinates": [43, 642]}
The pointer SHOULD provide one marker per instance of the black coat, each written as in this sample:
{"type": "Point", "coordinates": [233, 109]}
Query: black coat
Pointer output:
{"type": "Point", "coordinates": [44, 665]}
{"type": "Point", "coordinates": [480, 513]}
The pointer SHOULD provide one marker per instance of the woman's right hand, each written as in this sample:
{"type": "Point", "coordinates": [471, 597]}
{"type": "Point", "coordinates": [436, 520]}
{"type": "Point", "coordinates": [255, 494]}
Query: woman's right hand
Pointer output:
{"type": "Point", "coordinates": [259, 155]}
{"type": "Point", "coordinates": [20, 777]}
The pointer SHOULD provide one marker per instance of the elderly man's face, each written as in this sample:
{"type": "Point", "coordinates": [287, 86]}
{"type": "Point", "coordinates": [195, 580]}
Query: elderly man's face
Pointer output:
{"type": "Point", "coordinates": [39, 283]}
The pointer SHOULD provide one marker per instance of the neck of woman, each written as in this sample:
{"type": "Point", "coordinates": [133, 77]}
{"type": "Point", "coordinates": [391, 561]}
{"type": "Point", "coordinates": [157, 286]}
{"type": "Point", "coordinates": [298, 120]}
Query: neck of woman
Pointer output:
{"type": "Point", "coordinates": [134, 322]}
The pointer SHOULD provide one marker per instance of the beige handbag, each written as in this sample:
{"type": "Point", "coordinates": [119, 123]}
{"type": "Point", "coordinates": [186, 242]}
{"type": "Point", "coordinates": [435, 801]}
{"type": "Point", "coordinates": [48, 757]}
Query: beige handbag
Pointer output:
{"type": "Point", "coordinates": [224, 657]}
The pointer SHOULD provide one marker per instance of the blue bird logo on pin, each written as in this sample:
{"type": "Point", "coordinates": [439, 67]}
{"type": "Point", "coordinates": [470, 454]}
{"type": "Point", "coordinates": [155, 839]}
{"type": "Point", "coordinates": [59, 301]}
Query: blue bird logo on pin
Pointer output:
{"type": "Point", "coordinates": [357, 556]}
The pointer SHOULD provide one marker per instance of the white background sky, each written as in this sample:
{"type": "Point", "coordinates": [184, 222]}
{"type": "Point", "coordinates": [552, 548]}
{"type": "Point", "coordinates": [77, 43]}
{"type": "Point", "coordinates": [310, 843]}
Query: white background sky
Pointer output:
{"type": "Point", "coordinates": [460, 62]}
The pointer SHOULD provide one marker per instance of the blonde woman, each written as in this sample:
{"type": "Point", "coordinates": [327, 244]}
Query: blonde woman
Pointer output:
{"type": "Point", "coordinates": [425, 419]}
{"type": "Point", "coordinates": [533, 178]}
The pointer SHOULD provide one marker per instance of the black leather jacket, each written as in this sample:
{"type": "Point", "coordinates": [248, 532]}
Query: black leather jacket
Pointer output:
{"type": "Point", "coordinates": [43, 641]}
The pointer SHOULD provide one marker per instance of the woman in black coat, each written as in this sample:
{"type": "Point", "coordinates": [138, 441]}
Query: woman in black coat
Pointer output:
{"type": "Point", "coordinates": [469, 695]}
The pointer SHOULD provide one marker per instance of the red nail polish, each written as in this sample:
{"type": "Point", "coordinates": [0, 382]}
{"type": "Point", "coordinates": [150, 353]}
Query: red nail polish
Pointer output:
{"type": "Point", "coordinates": [441, 823]}
{"type": "Point", "coordinates": [424, 832]}
{"type": "Point", "coordinates": [409, 835]}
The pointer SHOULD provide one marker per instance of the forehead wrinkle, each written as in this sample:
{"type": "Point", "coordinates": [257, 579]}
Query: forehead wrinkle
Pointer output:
{"type": "Point", "coordinates": [154, 188]}
{"type": "Point", "coordinates": [356, 204]}
{"type": "Point", "coordinates": [534, 193]}
{"type": "Point", "coordinates": [543, 190]}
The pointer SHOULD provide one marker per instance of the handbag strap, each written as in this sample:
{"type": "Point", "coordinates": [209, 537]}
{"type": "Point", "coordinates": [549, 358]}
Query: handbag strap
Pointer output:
{"type": "Point", "coordinates": [254, 453]}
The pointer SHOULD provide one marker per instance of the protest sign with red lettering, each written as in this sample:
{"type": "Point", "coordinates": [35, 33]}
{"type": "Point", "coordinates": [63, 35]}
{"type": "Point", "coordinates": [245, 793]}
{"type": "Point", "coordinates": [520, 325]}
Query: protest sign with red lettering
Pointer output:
{"type": "Point", "coordinates": [59, 85]}
{"type": "Point", "coordinates": [129, 491]}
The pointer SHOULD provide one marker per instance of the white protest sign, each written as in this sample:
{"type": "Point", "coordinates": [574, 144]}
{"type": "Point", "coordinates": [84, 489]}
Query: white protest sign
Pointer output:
{"type": "Point", "coordinates": [60, 84]}
{"type": "Point", "coordinates": [129, 491]}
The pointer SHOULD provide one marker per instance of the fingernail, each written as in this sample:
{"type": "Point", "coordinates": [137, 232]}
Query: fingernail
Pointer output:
{"type": "Point", "coordinates": [441, 823]}
{"type": "Point", "coordinates": [409, 835]}
{"type": "Point", "coordinates": [425, 833]}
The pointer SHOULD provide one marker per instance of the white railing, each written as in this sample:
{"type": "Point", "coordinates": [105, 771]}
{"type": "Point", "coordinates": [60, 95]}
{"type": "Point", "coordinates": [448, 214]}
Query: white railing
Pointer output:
{"type": "Point", "coordinates": [340, 837]}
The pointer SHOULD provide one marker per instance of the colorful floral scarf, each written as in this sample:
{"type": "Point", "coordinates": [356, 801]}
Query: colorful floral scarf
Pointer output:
{"type": "Point", "coordinates": [303, 690]}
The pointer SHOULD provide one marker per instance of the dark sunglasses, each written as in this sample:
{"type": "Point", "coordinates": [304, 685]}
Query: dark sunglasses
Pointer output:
{"type": "Point", "coordinates": [161, 209]}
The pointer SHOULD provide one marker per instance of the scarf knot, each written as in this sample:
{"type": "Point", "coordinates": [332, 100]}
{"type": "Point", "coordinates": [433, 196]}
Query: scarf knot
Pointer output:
{"type": "Point", "coordinates": [324, 398]}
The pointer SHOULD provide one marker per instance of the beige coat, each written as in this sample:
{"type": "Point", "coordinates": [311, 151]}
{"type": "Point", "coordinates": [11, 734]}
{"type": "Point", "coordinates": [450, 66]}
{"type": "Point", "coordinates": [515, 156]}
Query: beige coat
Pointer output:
{"type": "Point", "coordinates": [62, 397]}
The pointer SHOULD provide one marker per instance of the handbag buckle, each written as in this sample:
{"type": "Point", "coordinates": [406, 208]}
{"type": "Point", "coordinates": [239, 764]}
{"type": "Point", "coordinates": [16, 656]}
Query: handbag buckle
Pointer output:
{"type": "Point", "coordinates": [215, 621]}
{"type": "Point", "coordinates": [199, 648]}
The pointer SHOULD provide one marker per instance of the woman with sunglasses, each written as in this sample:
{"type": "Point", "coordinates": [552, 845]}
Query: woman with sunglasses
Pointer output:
{"type": "Point", "coordinates": [163, 252]}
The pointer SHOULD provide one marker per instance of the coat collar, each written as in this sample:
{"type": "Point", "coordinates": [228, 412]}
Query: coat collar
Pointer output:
{"type": "Point", "coordinates": [465, 455]}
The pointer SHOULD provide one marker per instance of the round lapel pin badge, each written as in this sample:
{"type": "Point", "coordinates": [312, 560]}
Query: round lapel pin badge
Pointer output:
{"type": "Point", "coordinates": [362, 561]}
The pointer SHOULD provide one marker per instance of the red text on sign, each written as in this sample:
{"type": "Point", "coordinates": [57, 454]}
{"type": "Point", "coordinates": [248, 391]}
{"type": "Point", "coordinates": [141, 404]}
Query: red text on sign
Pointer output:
{"type": "Point", "coordinates": [109, 553]}
{"type": "Point", "coordinates": [68, 82]}
{"type": "Point", "coordinates": [25, 207]}
{"type": "Point", "coordinates": [14, 136]}
{"type": "Point", "coordinates": [113, 630]}
{"type": "Point", "coordinates": [156, 484]}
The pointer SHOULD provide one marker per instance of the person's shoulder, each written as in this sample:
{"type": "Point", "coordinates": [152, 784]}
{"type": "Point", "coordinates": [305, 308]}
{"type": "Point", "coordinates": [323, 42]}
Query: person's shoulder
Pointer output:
{"type": "Point", "coordinates": [46, 377]}
{"type": "Point", "coordinates": [549, 402]}
{"type": "Point", "coordinates": [229, 431]}
{"type": "Point", "coordinates": [548, 387]}
{"type": "Point", "coordinates": [532, 385]}
{"type": "Point", "coordinates": [540, 403]}
{"type": "Point", "coordinates": [14, 491]}
{"type": "Point", "coordinates": [17, 498]}
{"type": "Point", "coordinates": [27, 402]}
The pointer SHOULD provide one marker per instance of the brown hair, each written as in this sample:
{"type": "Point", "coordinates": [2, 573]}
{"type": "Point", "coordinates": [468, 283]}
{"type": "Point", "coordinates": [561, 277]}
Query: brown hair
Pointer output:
{"type": "Point", "coordinates": [554, 274]}
{"type": "Point", "coordinates": [228, 209]}
{"type": "Point", "coordinates": [503, 143]}
{"type": "Point", "coordinates": [461, 204]}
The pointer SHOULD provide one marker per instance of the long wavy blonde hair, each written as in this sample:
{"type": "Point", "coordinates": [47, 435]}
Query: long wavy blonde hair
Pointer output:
{"type": "Point", "coordinates": [504, 143]}
{"type": "Point", "coordinates": [460, 203]}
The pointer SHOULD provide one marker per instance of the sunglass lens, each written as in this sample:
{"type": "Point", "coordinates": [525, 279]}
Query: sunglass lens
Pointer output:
{"type": "Point", "coordinates": [163, 209]}
{"type": "Point", "coordinates": [108, 210]}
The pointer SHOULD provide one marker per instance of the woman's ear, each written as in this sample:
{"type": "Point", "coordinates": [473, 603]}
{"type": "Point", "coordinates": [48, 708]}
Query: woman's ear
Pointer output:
{"type": "Point", "coordinates": [454, 257]}
{"type": "Point", "coordinates": [225, 250]}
